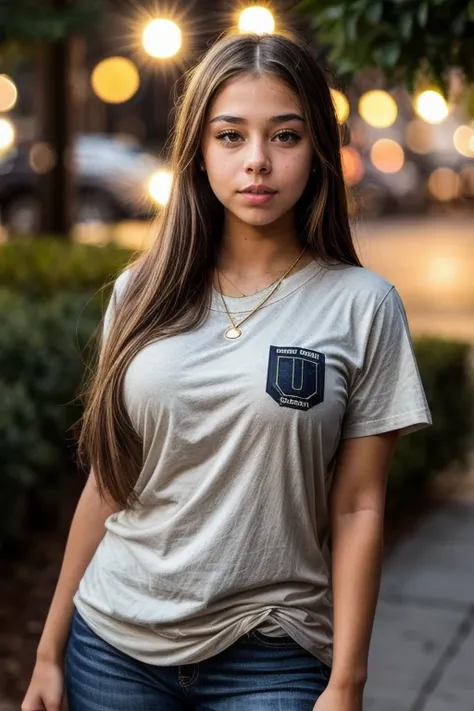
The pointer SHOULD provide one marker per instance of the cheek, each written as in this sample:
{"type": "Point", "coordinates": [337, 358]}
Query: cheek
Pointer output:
{"type": "Point", "coordinates": [297, 173]}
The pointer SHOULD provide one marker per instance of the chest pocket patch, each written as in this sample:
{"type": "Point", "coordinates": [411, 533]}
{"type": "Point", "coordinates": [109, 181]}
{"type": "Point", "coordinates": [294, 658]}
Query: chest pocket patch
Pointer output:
{"type": "Point", "coordinates": [295, 377]}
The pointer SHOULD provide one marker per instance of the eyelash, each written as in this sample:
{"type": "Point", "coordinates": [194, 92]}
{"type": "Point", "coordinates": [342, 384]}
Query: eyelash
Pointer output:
{"type": "Point", "coordinates": [294, 136]}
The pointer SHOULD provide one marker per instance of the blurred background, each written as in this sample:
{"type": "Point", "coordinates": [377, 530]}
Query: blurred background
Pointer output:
{"type": "Point", "coordinates": [87, 94]}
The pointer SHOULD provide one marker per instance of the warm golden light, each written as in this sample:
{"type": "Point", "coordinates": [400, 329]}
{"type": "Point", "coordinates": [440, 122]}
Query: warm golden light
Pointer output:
{"type": "Point", "coordinates": [160, 186]}
{"type": "Point", "coordinates": [387, 155]}
{"type": "Point", "coordinates": [162, 38]}
{"type": "Point", "coordinates": [431, 106]}
{"type": "Point", "coordinates": [8, 93]}
{"type": "Point", "coordinates": [115, 80]}
{"type": "Point", "coordinates": [443, 271]}
{"type": "Point", "coordinates": [256, 19]}
{"type": "Point", "coordinates": [352, 165]}
{"type": "Point", "coordinates": [341, 105]}
{"type": "Point", "coordinates": [378, 109]}
{"type": "Point", "coordinates": [444, 184]}
{"type": "Point", "coordinates": [463, 140]}
{"type": "Point", "coordinates": [7, 135]}
{"type": "Point", "coordinates": [419, 136]}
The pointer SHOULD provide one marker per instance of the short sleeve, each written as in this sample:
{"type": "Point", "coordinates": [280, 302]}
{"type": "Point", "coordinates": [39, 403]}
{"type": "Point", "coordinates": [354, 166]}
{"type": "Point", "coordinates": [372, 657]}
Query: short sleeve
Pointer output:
{"type": "Point", "coordinates": [387, 392]}
{"type": "Point", "coordinates": [111, 310]}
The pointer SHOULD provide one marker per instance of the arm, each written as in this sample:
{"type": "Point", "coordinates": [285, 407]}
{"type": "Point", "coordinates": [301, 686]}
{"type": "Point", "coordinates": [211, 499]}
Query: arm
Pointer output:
{"type": "Point", "coordinates": [86, 532]}
{"type": "Point", "coordinates": [357, 502]}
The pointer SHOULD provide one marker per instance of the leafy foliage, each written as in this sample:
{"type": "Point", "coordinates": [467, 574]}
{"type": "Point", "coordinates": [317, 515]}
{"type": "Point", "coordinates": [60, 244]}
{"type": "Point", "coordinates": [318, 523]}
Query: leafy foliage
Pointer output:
{"type": "Point", "coordinates": [29, 21]}
{"type": "Point", "coordinates": [401, 37]}
{"type": "Point", "coordinates": [25, 23]}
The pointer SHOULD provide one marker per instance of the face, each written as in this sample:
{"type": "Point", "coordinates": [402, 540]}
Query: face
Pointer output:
{"type": "Point", "coordinates": [256, 135]}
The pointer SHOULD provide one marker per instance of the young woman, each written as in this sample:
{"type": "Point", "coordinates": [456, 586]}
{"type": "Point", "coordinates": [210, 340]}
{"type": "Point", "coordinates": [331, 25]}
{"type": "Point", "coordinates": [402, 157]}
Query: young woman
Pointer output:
{"type": "Point", "coordinates": [251, 386]}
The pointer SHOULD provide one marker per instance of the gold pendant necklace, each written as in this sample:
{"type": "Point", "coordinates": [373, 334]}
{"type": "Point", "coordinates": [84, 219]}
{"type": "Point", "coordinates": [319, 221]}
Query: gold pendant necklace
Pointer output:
{"type": "Point", "coordinates": [241, 292]}
{"type": "Point", "coordinates": [233, 332]}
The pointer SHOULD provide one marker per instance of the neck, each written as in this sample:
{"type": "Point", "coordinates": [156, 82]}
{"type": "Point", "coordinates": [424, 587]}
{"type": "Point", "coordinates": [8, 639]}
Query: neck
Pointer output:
{"type": "Point", "coordinates": [255, 250]}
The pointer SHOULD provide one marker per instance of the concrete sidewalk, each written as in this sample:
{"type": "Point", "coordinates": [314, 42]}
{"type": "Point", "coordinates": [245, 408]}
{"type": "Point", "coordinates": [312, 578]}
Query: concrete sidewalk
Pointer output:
{"type": "Point", "coordinates": [422, 654]}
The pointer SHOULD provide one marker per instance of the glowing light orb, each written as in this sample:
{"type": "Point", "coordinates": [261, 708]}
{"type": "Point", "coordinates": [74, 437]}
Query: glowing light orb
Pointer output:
{"type": "Point", "coordinates": [160, 186]}
{"type": "Point", "coordinates": [115, 80]}
{"type": "Point", "coordinates": [7, 135]}
{"type": "Point", "coordinates": [162, 38]}
{"type": "Point", "coordinates": [387, 155]}
{"type": "Point", "coordinates": [8, 93]}
{"type": "Point", "coordinates": [256, 19]}
{"type": "Point", "coordinates": [431, 106]}
{"type": "Point", "coordinates": [341, 105]}
{"type": "Point", "coordinates": [378, 109]}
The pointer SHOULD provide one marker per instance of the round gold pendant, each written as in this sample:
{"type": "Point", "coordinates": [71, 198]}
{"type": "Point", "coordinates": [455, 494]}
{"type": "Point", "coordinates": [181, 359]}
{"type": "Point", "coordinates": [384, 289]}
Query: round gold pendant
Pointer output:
{"type": "Point", "coordinates": [232, 333]}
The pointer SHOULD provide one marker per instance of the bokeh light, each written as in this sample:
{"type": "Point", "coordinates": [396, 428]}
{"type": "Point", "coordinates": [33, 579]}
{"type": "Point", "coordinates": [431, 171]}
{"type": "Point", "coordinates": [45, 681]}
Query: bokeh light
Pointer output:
{"type": "Point", "coordinates": [8, 93]}
{"type": "Point", "coordinates": [7, 135]}
{"type": "Point", "coordinates": [115, 80]}
{"type": "Point", "coordinates": [341, 105]}
{"type": "Point", "coordinates": [387, 155]}
{"type": "Point", "coordinates": [419, 136]}
{"type": "Point", "coordinates": [378, 109]}
{"type": "Point", "coordinates": [256, 19]}
{"type": "Point", "coordinates": [443, 270]}
{"type": "Point", "coordinates": [431, 106]}
{"type": "Point", "coordinates": [463, 140]}
{"type": "Point", "coordinates": [160, 186]}
{"type": "Point", "coordinates": [41, 157]}
{"type": "Point", "coordinates": [352, 165]}
{"type": "Point", "coordinates": [444, 184]}
{"type": "Point", "coordinates": [162, 38]}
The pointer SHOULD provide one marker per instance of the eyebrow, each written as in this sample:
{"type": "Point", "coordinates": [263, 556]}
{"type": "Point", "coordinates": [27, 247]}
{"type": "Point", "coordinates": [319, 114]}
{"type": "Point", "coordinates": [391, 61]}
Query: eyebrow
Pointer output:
{"type": "Point", "coordinates": [281, 118]}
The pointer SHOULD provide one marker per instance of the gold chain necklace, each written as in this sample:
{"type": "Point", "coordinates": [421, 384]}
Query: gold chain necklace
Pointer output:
{"type": "Point", "coordinates": [234, 331]}
{"type": "Point", "coordinates": [241, 292]}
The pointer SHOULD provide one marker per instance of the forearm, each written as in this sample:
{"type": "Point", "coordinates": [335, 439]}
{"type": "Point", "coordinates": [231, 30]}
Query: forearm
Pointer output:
{"type": "Point", "coordinates": [86, 532]}
{"type": "Point", "coordinates": [357, 551]}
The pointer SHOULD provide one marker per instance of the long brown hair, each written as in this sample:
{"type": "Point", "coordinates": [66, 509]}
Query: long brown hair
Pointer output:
{"type": "Point", "coordinates": [169, 286]}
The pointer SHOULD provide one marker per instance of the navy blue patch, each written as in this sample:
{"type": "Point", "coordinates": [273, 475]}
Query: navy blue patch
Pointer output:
{"type": "Point", "coordinates": [296, 377]}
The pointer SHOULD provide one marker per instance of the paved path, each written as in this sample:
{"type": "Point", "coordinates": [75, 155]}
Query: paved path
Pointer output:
{"type": "Point", "coordinates": [422, 654]}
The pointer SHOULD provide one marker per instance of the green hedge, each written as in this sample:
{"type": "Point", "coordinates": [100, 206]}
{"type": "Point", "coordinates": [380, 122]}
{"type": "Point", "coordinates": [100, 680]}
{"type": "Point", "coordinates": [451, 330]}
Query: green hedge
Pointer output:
{"type": "Point", "coordinates": [446, 371]}
{"type": "Point", "coordinates": [50, 305]}
{"type": "Point", "coordinates": [51, 300]}
{"type": "Point", "coordinates": [43, 268]}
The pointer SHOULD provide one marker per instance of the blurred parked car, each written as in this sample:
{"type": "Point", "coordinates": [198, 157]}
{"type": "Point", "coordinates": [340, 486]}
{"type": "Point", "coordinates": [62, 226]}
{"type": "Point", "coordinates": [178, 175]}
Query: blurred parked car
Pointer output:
{"type": "Point", "coordinates": [111, 177]}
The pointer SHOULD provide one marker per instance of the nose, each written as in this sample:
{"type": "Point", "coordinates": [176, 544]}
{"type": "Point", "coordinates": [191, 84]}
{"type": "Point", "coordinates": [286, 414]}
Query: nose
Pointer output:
{"type": "Point", "coordinates": [257, 160]}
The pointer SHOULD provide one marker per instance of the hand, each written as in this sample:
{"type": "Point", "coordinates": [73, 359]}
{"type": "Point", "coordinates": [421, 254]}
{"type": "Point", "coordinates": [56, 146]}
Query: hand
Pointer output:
{"type": "Point", "coordinates": [46, 688]}
{"type": "Point", "coordinates": [340, 699]}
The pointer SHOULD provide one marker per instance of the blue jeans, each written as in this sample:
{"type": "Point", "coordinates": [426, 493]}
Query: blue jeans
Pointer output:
{"type": "Point", "coordinates": [257, 673]}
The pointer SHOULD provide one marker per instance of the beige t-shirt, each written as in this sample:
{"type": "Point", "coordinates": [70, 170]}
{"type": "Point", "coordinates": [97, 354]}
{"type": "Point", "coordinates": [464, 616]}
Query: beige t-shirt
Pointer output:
{"type": "Point", "coordinates": [239, 443]}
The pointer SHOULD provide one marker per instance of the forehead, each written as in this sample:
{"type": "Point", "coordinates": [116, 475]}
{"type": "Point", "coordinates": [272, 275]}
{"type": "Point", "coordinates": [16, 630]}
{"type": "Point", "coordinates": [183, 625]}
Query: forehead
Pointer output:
{"type": "Point", "coordinates": [249, 96]}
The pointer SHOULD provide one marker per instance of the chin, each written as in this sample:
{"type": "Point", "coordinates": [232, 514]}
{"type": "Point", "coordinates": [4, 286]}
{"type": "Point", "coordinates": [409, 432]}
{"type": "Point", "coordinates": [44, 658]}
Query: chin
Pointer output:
{"type": "Point", "coordinates": [257, 217]}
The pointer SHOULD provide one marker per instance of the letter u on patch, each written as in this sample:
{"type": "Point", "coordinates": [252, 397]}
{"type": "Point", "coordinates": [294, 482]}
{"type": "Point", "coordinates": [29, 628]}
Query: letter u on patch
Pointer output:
{"type": "Point", "coordinates": [296, 381]}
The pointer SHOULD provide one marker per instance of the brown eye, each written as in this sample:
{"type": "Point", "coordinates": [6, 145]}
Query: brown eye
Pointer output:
{"type": "Point", "coordinates": [231, 135]}
{"type": "Point", "coordinates": [288, 137]}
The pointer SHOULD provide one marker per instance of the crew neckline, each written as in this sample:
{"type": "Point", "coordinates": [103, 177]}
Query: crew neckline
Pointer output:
{"type": "Point", "coordinates": [241, 304]}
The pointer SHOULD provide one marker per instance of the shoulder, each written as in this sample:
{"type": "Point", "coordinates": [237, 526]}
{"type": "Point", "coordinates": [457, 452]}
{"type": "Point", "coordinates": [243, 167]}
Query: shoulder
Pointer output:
{"type": "Point", "coordinates": [360, 287]}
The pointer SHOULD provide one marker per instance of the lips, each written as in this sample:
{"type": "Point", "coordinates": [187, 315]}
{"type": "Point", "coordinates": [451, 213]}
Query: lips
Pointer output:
{"type": "Point", "coordinates": [258, 190]}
